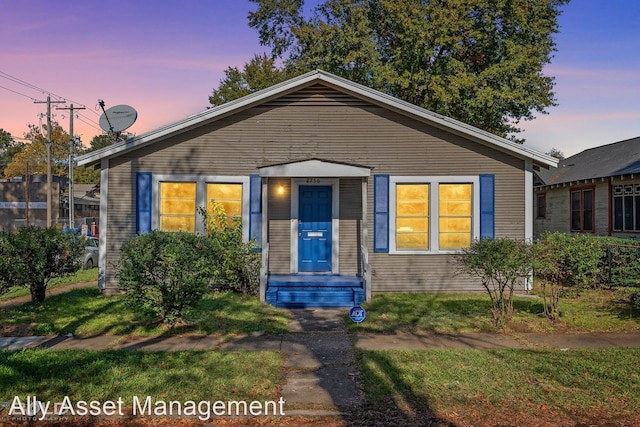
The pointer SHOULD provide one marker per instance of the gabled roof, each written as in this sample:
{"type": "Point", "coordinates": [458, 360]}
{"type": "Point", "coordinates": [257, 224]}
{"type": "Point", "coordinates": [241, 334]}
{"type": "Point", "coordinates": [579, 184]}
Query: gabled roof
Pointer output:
{"type": "Point", "coordinates": [617, 159]}
{"type": "Point", "coordinates": [315, 168]}
{"type": "Point", "coordinates": [333, 81]}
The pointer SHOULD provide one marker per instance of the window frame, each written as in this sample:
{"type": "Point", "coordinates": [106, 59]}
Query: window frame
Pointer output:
{"type": "Point", "coordinates": [434, 216]}
{"type": "Point", "coordinates": [634, 195]}
{"type": "Point", "coordinates": [201, 197]}
{"type": "Point", "coordinates": [581, 190]}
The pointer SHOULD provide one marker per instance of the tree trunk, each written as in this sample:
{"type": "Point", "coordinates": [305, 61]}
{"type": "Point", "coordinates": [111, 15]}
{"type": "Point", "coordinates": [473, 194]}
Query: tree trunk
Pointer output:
{"type": "Point", "coordinates": [38, 292]}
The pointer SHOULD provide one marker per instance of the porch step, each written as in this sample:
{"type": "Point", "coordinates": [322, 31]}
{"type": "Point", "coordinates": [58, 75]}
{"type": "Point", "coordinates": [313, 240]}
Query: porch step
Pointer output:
{"type": "Point", "coordinates": [318, 280]}
{"type": "Point", "coordinates": [306, 296]}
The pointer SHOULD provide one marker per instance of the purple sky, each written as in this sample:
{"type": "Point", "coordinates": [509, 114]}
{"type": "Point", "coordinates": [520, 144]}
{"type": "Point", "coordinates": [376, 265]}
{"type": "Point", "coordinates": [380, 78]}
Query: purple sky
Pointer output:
{"type": "Point", "coordinates": [165, 57]}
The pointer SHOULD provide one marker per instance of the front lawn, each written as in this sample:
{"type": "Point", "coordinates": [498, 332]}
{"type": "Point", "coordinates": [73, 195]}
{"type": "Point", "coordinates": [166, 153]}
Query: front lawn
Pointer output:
{"type": "Point", "coordinates": [79, 276]}
{"type": "Point", "coordinates": [87, 312]}
{"type": "Point", "coordinates": [504, 387]}
{"type": "Point", "coordinates": [108, 375]}
{"type": "Point", "coordinates": [586, 311]}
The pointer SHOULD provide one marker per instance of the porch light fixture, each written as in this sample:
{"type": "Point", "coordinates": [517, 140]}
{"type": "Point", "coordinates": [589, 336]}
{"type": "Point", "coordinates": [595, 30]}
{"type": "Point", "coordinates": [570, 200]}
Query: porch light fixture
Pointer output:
{"type": "Point", "coordinates": [280, 190]}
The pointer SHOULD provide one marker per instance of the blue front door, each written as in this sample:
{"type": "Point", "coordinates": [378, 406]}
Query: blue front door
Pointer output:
{"type": "Point", "coordinates": [314, 230]}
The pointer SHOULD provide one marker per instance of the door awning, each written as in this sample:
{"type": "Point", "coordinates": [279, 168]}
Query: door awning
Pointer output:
{"type": "Point", "coordinates": [316, 168]}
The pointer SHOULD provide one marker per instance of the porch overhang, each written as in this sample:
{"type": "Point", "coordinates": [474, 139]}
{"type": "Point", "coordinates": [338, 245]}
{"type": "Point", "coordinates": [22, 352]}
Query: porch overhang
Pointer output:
{"type": "Point", "coordinates": [315, 168]}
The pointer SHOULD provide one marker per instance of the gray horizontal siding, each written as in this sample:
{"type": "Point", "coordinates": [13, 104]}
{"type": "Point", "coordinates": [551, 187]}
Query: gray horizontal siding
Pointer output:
{"type": "Point", "coordinates": [301, 126]}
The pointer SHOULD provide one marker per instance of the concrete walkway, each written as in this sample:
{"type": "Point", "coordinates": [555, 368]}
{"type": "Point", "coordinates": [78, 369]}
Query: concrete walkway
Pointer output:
{"type": "Point", "coordinates": [319, 356]}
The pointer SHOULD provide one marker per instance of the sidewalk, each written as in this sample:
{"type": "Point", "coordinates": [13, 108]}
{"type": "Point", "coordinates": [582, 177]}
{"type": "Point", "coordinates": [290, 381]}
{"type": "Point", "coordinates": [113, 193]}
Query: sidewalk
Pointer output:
{"type": "Point", "coordinates": [319, 356]}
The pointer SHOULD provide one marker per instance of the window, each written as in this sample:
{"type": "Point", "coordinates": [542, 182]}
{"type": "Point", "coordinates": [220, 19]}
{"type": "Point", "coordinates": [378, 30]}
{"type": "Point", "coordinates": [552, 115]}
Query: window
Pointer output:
{"type": "Point", "coordinates": [228, 196]}
{"type": "Point", "coordinates": [541, 202]}
{"type": "Point", "coordinates": [412, 216]}
{"type": "Point", "coordinates": [582, 210]}
{"type": "Point", "coordinates": [178, 206]}
{"type": "Point", "coordinates": [626, 207]}
{"type": "Point", "coordinates": [433, 214]}
{"type": "Point", "coordinates": [455, 215]}
{"type": "Point", "coordinates": [177, 199]}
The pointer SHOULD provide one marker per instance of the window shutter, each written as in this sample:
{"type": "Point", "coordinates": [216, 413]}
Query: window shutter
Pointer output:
{"type": "Point", "coordinates": [255, 208]}
{"type": "Point", "coordinates": [381, 213]}
{"type": "Point", "coordinates": [143, 202]}
{"type": "Point", "coordinates": [487, 206]}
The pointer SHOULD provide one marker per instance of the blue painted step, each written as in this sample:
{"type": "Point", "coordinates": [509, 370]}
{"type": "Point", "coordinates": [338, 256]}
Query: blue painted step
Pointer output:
{"type": "Point", "coordinates": [301, 291]}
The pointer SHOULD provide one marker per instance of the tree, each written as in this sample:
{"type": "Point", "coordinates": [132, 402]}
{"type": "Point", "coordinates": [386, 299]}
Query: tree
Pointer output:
{"type": "Point", "coordinates": [261, 72]}
{"type": "Point", "coordinates": [500, 264]}
{"type": "Point", "coordinates": [32, 256]}
{"type": "Point", "coordinates": [35, 154]}
{"type": "Point", "coordinates": [9, 148]}
{"type": "Point", "coordinates": [479, 61]}
{"type": "Point", "coordinates": [554, 152]}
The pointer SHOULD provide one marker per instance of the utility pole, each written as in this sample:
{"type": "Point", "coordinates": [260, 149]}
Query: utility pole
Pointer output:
{"type": "Point", "coordinates": [49, 142]}
{"type": "Point", "coordinates": [72, 143]}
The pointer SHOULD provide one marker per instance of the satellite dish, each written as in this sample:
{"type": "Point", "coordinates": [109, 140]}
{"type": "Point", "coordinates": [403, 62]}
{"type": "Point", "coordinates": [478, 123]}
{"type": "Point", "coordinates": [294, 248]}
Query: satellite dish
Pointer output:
{"type": "Point", "coordinates": [118, 118]}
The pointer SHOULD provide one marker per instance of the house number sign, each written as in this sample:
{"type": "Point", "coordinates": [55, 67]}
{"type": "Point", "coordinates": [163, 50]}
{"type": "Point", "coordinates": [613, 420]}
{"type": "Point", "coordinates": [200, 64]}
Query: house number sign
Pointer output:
{"type": "Point", "coordinates": [313, 180]}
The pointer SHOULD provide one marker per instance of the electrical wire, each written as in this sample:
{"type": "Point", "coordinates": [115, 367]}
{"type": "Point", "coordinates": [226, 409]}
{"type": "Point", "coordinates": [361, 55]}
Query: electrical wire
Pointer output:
{"type": "Point", "coordinates": [19, 93]}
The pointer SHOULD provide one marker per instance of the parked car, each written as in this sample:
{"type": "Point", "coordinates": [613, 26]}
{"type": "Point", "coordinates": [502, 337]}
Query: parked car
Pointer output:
{"type": "Point", "coordinates": [91, 251]}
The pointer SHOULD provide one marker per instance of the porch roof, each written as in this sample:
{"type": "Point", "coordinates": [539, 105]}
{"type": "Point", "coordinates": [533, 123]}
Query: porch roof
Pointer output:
{"type": "Point", "coordinates": [316, 168]}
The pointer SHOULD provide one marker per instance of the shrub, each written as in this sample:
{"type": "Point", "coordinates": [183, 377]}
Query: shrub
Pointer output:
{"type": "Point", "coordinates": [32, 256]}
{"type": "Point", "coordinates": [165, 274]}
{"type": "Point", "coordinates": [235, 264]}
{"type": "Point", "coordinates": [501, 264]}
{"type": "Point", "coordinates": [550, 256]}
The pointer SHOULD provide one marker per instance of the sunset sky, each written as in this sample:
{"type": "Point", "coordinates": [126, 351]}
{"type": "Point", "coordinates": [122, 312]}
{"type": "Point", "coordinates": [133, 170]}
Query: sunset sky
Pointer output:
{"type": "Point", "coordinates": [165, 57]}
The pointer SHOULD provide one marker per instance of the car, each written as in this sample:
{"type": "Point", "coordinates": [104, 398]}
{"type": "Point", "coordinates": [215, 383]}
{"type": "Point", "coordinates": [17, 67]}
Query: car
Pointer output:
{"type": "Point", "coordinates": [91, 252]}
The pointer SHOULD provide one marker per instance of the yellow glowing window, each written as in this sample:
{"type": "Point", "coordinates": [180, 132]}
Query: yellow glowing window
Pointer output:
{"type": "Point", "coordinates": [228, 196]}
{"type": "Point", "coordinates": [455, 211]}
{"type": "Point", "coordinates": [178, 206]}
{"type": "Point", "coordinates": [412, 216]}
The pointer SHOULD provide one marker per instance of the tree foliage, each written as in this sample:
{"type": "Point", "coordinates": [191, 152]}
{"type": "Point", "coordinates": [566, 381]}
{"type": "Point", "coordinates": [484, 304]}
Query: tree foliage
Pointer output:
{"type": "Point", "coordinates": [479, 61]}
{"type": "Point", "coordinates": [32, 256]}
{"type": "Point", "coordinates": [261, 72]}
{"type": "Point", "coordinates": [9, 148]}
{"type": "Point", "coordinates": [34, 154]}
{"type": "Point", "coordinates": [501, 264]}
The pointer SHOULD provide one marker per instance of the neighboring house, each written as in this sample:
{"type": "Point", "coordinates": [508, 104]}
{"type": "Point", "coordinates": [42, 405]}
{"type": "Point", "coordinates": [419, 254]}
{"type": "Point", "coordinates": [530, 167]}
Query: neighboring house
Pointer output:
{"type": "Point", "coordinates": [347, 191]}
{"type": "Point", "coordinates": [24, 201]}
{"type": "Point", "coordinates": [596, 191]}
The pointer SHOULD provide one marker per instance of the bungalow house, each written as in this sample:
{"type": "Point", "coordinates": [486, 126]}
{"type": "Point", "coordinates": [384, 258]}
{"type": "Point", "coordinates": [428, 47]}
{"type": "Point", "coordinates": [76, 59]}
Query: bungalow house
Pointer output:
{"type": "Point", "coordinates": [347, 191]}
{"type": "Point", "coordinates": [596, 191]}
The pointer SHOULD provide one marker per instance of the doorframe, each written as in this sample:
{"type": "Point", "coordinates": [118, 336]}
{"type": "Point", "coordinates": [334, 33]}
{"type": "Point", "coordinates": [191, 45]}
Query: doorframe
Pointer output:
{"type": "Point", "coordinates": [334, 183]}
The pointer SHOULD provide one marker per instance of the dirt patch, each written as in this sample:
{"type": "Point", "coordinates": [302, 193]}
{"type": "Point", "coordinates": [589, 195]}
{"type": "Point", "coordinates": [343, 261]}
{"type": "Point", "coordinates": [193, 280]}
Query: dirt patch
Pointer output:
{"type": "Point", "coordinates": [19, 330]}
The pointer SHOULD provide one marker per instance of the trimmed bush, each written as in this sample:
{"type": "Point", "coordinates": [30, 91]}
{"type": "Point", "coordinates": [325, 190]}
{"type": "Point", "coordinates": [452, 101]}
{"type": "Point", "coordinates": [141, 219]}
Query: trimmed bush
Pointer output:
{"type": "Point", "coordinates": [164, 274]}
{"type": "Point", "coordinates": [32, 256]}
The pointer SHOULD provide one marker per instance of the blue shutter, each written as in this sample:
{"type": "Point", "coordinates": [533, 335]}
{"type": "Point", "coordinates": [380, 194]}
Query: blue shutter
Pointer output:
{"type": "Point", "coordinates": [381, 213]}
{"type": "Point", "coordinates": [255, 208]}
{"type": "Point", "coordinates": [487, 206]}
{"type": "Point", "coordinates": [143, 202]}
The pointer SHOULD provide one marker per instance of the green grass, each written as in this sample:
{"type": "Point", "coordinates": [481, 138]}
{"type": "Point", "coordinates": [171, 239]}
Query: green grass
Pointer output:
{"type": "Point", "coordinates": [590, 311]}
{"type": "Point", "coordinates": [107, 375]}
{"type": "Point", "coordinates": [80, 276]}
{"type": "Point", "coordinates": [503, 382]}
{"type": "Point", "coordinates": [87, 312]}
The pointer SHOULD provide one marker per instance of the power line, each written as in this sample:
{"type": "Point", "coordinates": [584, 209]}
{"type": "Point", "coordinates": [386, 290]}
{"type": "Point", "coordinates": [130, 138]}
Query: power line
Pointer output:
{"type": "Point", "coordinates": [18, 93]}
{"type": "Point", "coordinates": [36, 88]}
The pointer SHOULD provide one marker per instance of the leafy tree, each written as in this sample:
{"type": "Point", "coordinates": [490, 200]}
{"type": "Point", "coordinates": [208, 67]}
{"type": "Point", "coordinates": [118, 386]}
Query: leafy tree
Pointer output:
{"type": "Point", "coordinates": [261, 72]}
{"type": "Point", "coordinates": [479, 61]}
{"type": "Point", "coordinates": [8, 149]}
{"type": "Point", "coordinates": [554, 152]}
{"type": "Point", "coordinates": [35, 153]}
{"type": "Point", "coordinates": [32, 256]}
{"type": "Point", "coordinates": [500, 264]}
